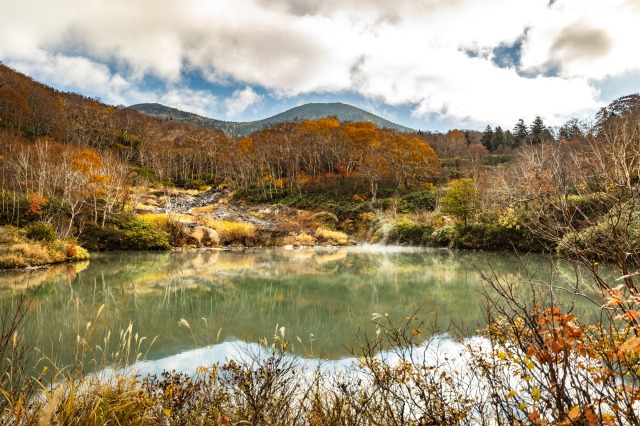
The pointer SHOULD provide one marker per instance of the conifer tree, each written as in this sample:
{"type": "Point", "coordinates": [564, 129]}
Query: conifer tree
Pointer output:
{"type": "Point", "coordinates": [487, 139]}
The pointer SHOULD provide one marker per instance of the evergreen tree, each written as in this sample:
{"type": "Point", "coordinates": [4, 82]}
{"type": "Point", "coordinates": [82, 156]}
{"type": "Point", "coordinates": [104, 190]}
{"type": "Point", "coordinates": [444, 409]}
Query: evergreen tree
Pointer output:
{"type": "Point", "coordinates": [571, 130]}
{"type": "Point", "coordinates": [520, 133]}
{"type": "Point", "coordinates": [498, 138]}
{"type": "Point", "coordinates": [487, 139]}
{"type": "Point", "coordinates": [538, 131]}
{"type": "Point", "coordinates": [509, 140]}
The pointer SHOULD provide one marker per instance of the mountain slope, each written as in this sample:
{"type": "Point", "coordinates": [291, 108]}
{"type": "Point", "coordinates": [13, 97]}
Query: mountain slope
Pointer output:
{"type": "Point", "coordinates": [313, 111]}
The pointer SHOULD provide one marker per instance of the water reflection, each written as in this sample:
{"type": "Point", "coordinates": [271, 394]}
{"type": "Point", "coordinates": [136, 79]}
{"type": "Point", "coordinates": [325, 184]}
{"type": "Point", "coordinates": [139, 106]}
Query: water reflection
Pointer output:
{"type": "Point", "coordinates": [322, 296]}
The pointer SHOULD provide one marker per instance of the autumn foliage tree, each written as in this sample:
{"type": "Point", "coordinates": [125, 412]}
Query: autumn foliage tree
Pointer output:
{"type": "Point", "coordinates": [461, 199]}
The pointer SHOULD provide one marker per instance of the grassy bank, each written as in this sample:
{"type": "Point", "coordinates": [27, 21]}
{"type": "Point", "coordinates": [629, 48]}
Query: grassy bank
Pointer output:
{"type": "Point", "coordinates": [36, 245]}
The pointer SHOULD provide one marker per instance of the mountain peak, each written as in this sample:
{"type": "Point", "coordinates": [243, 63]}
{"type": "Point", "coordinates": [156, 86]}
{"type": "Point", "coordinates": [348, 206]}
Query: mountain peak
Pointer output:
{"type": "Point", "coordinates": [311, 111]}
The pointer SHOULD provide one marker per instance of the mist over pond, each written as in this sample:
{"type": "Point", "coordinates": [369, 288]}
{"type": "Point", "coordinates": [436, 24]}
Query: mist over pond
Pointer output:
{"type": "Point", "coordinates": [323, 297]}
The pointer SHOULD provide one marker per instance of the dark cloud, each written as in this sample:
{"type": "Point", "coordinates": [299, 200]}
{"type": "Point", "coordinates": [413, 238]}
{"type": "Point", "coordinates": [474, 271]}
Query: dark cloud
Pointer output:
{"type": "Point", "coordinates": [579, 42]}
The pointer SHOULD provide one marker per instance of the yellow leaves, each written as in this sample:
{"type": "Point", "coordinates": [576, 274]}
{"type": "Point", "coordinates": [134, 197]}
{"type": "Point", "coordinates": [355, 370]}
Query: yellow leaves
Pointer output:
{"type": "Point", "coordinates": [535, 393]}
{"type": "Point", "coordinates": [511, 394]}
{"type": "Point", "coordinates": [630, 348]}
{"type": "Point", "coordinates": [508, 218]}
{"type": "Point", "coordinates": [574, 414]}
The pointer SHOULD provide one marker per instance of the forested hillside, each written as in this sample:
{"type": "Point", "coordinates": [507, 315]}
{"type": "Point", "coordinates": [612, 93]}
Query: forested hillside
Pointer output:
{"type": "Point", "coordinates": [75, 164]}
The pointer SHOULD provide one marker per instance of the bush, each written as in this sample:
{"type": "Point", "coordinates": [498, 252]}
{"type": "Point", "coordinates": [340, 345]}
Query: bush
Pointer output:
{"type": "Point", "coordinates": [411, 233]}
{"type": "Point", "coordinates": [584, 209]}
{"type": "Point", "coordinates": [603, 241]}
{"type": "Point", "coordinates": [17, 251]}
{"type": "Point", "coordinates": [330, 220]}
{"type": "Point", "coordinates": [443, 236]}
{"type": "Point", "coordinates": [495, 159]}
{"type": "Point", "coordinates": [41, 232]}
{"type": "Point", "coordinates": [125, 232]}
{"type": "Point", "coordinates": [343, 207]}
{"type": "Point", "coordinates": [492, 236]}
{"type": "Point", "coordinates": [419, 200]}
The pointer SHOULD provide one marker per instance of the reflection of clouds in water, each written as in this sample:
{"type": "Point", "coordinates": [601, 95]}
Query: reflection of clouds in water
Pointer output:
{"type": "Point", "coordinates": [439, 350]}
{"type": "Point", "coordinates": [330, 292]}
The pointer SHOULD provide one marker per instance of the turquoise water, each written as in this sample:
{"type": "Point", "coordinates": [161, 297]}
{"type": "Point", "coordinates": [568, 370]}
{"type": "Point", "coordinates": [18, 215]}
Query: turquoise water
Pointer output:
{"type": "Point", "coordinates": [324, 298]}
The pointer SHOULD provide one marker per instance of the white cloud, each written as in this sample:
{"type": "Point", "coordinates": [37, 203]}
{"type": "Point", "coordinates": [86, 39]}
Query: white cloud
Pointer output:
{"type": "Point", "coordinates": [401, 52]}
{"type": "Point", "coordinates": [240, 100]}
{"type": "Point", "coordinates": [199, 102]}
{"type": "Point", "coordinates": [73, 73]}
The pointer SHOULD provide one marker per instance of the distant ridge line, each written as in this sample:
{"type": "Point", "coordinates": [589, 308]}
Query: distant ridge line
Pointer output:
{"type": "Point", "coordinates": [311, 111]}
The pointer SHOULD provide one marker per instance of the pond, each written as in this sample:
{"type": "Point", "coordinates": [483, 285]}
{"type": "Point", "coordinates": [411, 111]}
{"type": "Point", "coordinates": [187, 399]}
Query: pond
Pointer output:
{"type": "Point", "coordinates": [323, 297]}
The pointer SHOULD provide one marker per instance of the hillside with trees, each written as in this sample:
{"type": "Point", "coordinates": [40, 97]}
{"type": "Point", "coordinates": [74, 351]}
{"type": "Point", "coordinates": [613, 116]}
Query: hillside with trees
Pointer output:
{"type": "Point", "coordinates": [89, 170]}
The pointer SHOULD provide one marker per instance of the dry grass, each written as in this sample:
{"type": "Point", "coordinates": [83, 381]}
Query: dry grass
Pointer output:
{"type": "Point", "coordinates": [332, 237]}
{"type": "Point", "coordinates": [234, 232]}
{"type": "Point", "coordinates": [229, 232]}
{"type": "Point", "coordinates": [159, 219]}
{"type": "Point", "coordinates": [144, 208]}
{"type": "Point", "coordinates": [205, 221]}
{"type": "Point", "coordinates": [17, 251]}
{"type": "Point", "coordinates": [306, 240]}
{"type": "Point", "coordinates": [204, 209]}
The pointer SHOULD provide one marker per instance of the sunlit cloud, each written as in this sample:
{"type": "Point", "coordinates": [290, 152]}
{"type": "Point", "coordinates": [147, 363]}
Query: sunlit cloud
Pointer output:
{"type": "Point", "coordinates": [240, 100]}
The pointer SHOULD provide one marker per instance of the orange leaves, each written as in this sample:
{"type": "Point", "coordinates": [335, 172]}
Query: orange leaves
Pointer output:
{"type": "Point", "coordinates": [574, 414]}
{"type": "Point", "coordinates": [36, 203]}
{"type": "Point", "coordinates": [86, 162]}
{"type": "Point", "coordinates": [539, 184]}
{"type": "Point", "coordinates": [561, 337]}
{"type": "Point", "coordinates": [245, 146]}
{"type": "Point", "coordinates": [72, 250]}
{"type": "Point", "coordinates": [327, 150]}
{"type": "Point", "coordinates": [632, 316]}
{"type": "Point", "coordinates": [100, 179]}
{"type": "Point", "coordinates": [630, 348]}
{"type": "Point", "coordinates": [613, 296]}
{"type": "Point", "coordinates": [578, 415]}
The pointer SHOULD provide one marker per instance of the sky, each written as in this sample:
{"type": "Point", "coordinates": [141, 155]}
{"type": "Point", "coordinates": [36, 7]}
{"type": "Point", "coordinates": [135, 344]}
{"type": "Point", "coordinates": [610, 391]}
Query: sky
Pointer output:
{"type": "Point", "coordinates": [428, 64]}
